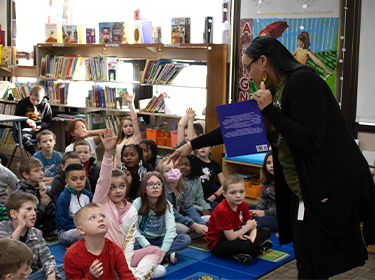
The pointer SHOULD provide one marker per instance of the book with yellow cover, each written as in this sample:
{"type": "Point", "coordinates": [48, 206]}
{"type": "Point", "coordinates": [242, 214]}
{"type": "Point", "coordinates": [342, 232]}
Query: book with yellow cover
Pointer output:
{"type": "Point", "coordinates": [53, 33]}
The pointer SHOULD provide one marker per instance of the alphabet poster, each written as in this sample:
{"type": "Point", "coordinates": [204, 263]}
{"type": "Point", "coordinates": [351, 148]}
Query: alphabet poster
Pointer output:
{"type": "Point", "coordinates": [307, 28]}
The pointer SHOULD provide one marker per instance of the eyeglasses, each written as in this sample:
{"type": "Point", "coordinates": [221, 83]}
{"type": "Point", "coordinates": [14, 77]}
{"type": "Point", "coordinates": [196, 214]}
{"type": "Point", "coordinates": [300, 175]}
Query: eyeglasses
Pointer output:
{"type": "Point", "coordinates": [248, 66]}
{"type": "Point", "coordinates": [152, 185]}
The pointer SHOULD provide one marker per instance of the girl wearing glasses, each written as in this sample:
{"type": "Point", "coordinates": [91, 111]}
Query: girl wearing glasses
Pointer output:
{"type": "Point", "coordinates": [122, 215]}
{"type": "Point", "coordinates": [156, 225]}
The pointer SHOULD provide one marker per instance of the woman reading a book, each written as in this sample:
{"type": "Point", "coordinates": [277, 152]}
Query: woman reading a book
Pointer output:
{"type": "Point", "coordinates": [315, 198]}
{"type": "Point", "coordinates": [129, 132]}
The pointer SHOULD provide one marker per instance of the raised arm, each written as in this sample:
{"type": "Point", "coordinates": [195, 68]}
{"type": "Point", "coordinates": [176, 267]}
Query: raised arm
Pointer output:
{"type": "Point", "coordinates": [137, 132]}
{"type": "Point", "coordinates": [104, 182]}
{"type": "Point", "coordinates": [181, 128]}
{"type": "Point", "coordinates": [190, 131]}
{"type": "Point", "coordinates": [211, 138]}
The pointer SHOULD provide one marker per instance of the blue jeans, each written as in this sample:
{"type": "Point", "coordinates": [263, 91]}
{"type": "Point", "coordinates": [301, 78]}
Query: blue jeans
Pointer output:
{"type": "Point", "coordinates": [179, 243]}
{"type": "Point", "coordinates": [41, 275]}
{"type": "Point", "coordinates": [268, 222]}
{"type": "Point", "coordinates": [69, 237]}
{"type": "Point", "coordinates": [213, 204]}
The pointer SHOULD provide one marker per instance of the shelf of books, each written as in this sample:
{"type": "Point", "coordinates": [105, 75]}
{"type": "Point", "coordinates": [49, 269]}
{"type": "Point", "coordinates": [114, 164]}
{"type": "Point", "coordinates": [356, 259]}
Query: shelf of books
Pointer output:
{"type": "Point", "coordinates": [108, 71]}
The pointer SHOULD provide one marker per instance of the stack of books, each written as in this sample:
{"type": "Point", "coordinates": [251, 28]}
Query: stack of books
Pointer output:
{"type": "Point", "coordinates": [156, 104]}
{"type": "Point", "coordinates": [161, 72]}
{"type": "Point", "coordinates": [6, 137]}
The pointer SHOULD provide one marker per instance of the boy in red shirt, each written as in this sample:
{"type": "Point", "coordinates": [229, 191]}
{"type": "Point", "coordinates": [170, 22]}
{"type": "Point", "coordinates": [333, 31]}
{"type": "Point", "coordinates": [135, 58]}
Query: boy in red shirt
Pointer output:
{"type": "Point", "coordinates": [227, 234]}
{"type": "Point", "coordinates": [94, 256]}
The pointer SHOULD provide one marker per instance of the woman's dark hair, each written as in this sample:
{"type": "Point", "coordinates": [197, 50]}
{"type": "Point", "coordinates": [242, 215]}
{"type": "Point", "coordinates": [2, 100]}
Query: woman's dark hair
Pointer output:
{"type": "Point", "coordinates": [267, 178]}
{"type": "Point", "coordinates": [195, 170]}
{"type": "Point", "coordinates": [283, 62]}
{"type": "Point", "coordinates": [304, 37]}
{"type": "Point", "coordinates": [154, 151]}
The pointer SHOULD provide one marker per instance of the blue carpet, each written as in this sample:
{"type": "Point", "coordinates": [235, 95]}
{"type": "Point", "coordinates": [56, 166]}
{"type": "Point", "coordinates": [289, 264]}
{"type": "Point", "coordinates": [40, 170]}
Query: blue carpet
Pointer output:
{"type": "Point", "coordinates": [198, 265]}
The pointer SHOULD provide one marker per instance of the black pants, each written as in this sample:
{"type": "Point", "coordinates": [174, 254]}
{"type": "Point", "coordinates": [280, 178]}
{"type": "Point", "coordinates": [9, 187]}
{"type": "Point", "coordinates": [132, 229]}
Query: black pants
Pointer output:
{"type": "Point", "coordinates": [225, 248]}
{"type": "Point", "coordinates": [302, 244]}
{"type": "Point", "coordinates": [46, 224]}
{"type": "Point", "coordinates": [27, 143]}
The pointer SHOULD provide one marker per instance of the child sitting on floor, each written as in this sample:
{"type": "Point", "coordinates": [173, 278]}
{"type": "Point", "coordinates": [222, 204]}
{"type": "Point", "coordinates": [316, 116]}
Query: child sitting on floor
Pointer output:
{"type": "Point", "coordinates": [58, 183]}
{"type": "Point", "coordinates": [227, 234]}
{"type": "Point", "coordinates": [209, 170]}
{"type": "Point", "coordinates": [31, 169]}
{"type": "Point", "coordinates": [122, 216]}
{"type": "Point", "coordinates": [21, 210]}
{"type": "Point", "coordinates": [7, 179]}
{"type": "Point", "coordinates": [90, 164]}
{"type": "Point", "coordinates": [187, 219]}
{"type": "Point", "coordinates": [15, 259]}
{"type": "Point", "coordinates": [129, 132]}
{"type": "Point", "coordinates": [150, 153]}
{"type": "Point", "coordinates": [94, 256]}
{"type": "Point", "coordinates": [155, 224]}
{"type": "Point", "coordinates": [132, 161]}
{"type": "Point", "coordinates": [190, 174]}
{"type": "Point", "coordinates": [265, 212]}
{"type": "Point", "coordinates": [73, 198]}
{"type": "Point", "coordinates": [78, 130]}
{"type": "Point", "coordinates": [47, 156]}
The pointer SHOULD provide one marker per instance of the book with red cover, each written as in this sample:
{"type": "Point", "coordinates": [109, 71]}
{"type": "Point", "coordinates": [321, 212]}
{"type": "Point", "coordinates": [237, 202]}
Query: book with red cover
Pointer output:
{"type": "Point", "coordinates": [62, 92]}
{"type": "Point", "coordinates": [96, 95]}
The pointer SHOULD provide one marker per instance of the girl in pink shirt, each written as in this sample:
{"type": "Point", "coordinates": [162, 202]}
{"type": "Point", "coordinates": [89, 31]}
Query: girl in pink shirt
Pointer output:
{"type": "Point", "coordinates": [122, 216]}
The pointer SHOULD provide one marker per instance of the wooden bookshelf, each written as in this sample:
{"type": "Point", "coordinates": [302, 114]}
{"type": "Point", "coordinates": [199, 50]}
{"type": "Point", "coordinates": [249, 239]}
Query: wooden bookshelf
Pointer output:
{"type": "Point", "coordinates": [213, 55]}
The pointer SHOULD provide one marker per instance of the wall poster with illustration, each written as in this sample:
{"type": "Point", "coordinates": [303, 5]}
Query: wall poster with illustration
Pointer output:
{"type": "Point", "coordinates": [307, 28]}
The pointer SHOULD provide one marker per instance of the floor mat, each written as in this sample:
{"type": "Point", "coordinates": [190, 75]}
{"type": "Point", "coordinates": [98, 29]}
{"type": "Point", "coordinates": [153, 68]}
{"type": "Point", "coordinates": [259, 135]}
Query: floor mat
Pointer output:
{"type": "Point", "coordinates": [195, 264]}
{"type": "Point", "coordinates": [200, 244]}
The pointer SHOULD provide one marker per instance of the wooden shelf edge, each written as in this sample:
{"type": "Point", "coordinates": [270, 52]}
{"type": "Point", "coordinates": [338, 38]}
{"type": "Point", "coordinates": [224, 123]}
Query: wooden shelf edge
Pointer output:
{"type": "Point", "coordinates": [8, 101]}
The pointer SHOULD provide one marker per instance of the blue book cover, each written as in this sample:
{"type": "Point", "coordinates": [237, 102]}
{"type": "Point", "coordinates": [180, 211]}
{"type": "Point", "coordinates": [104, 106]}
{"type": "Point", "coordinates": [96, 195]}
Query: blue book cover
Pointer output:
{"type": "Point", "coordinates": [242, 128]}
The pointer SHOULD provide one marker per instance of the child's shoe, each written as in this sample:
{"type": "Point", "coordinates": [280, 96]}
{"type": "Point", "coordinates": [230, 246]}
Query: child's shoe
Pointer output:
{"type": "Point", "coordinates": [265, 246]}
{"type": "Point", "coordinates": [173, 258]}
{"type": "Point", "coordinates": [158, 272]}
{"type": "Point", "coordinates": [242, 258]}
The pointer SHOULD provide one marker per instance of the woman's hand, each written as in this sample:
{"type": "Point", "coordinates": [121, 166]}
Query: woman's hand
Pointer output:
{"type": "Point", "coordinates": [179, 154]}
{"type": "Point", "coordinates": [263, 97]}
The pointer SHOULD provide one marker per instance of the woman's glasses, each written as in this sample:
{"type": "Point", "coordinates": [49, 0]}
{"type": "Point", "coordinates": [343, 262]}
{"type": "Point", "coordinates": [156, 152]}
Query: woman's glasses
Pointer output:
{"type": "Point", "coordinates": [152, 185]}
{"type": "Point", "coordinates": [248, 66]}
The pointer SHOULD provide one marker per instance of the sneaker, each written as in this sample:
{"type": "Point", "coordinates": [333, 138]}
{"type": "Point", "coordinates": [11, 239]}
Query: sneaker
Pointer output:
{"type": "Point", "coordinates": [173, 258]}
{"type": "Point", "coordinates": [165, 263]}
{"type": "Point", "coordinates": [265, 246]}
{"type": "Point", "coordinates": [242, 258]}
{"type": "Point", "coordinates": [158, 272]}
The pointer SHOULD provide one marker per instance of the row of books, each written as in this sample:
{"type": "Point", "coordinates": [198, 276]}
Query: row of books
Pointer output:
{"type": "Point", "coordinates": [96, 120]}
{"type": "Point", "coordinates": [18, 89]}
{"type": "Point", "coordinates": [7, 109]}
{"type": "Point", "coordinates": [57, 92]}
{"type": "Point", "coordinates": [68, 67]}
{"type": "Point", "coordinates": [161, 72]}
{"type": "Point", "coordinates": [8, 55]}
{"type": "Point", "coordinates": [106, 97]}
{"type": "Point", "coordinates": [6, 137]}
{"type": "Point", "coordinates": [156, 104]}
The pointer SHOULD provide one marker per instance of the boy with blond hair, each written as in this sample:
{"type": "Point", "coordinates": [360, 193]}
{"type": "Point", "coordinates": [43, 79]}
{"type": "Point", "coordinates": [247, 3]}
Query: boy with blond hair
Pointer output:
{"type": "Point", "coordinates": [58, 182]}
{"type": "Point", "coordinates": [94, 256]}
{"type": "Point", "coordinates": [15, 259]}
{"type": "Point", "coordinates": [38, 110]}
{"type": "Point", "coordinates": [31, 169]}
{"type": "Point", "coordinates": [73, 198]}
{"type": "Point", "coordinates": [21, 210]}
{"type": "Point", "coordinates": [227, 234]}
{"type": "Point", "coordinates": [47, 156]}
